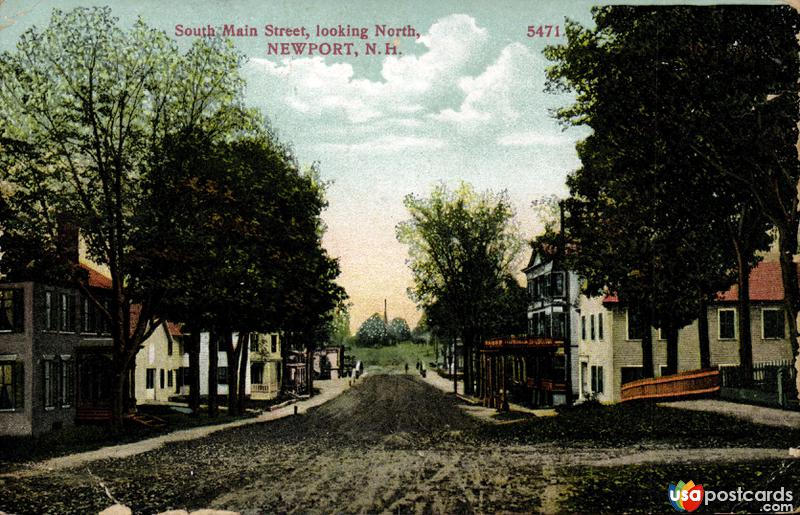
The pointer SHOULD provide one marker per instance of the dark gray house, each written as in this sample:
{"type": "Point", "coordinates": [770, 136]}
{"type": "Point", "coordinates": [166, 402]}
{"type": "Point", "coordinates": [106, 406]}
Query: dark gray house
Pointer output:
{"type": "Point", "coordinates": [54, 356]}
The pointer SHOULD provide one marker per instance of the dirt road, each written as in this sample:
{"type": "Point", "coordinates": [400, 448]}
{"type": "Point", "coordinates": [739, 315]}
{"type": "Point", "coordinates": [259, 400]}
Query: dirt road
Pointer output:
{"type": "Point", "coordinates": [390, 444]}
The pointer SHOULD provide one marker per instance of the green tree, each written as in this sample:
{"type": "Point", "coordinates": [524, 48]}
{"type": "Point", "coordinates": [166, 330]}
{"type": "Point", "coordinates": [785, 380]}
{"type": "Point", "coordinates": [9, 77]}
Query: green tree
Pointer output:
{"type": "Point", "coordinates": [461, 247]}
{"type": "Point", "coordinates": [373, 332]}
{"type": "Point", "coordinates": [398, 330]}
{"type": "Point", "coordinates": [643, 85]}
{"type": "Point", "coordinates": [247, 250]}
{"type": "Point", "coordinates": [85, 110]}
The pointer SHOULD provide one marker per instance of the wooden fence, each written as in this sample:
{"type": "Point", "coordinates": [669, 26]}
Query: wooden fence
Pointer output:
{"type": "Point", "coordinates": [691, 383]}
{"type": "Point", "coordinates": [773, 383]}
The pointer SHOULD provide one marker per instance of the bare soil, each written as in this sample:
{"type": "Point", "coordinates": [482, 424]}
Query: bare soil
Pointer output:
{"type": "Point", "coordinates": [390, 444]}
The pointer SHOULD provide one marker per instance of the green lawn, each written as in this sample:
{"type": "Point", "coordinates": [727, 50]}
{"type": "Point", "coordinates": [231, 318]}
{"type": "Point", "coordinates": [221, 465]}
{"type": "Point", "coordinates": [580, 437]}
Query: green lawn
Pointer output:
{"type": "Point", "coordinates": [597, 425]}
{"type": "Point", "coordinates": [394, 356]}
{"type": "Point", "coordinates": [80, 438]}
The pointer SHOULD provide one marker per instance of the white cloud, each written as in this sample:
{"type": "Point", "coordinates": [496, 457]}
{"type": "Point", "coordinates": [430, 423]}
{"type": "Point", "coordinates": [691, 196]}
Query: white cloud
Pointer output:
{"type": "Point", "coordinates": [530, 138]}
{"type": "Point", "coordinates": [312, 87]}
{"type": "Point", "coordinates": [385, 144]}
{"type": "Point", "coordinates": [502, 94]}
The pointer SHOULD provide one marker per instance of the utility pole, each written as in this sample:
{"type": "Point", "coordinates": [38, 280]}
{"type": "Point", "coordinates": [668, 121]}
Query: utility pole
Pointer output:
{"type": "Point", "coordinates": [567, 312]}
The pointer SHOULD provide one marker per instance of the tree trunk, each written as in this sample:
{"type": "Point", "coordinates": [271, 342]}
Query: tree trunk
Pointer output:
{"type": "Point", "coordinates": [743, 318]}
{"type": "Point", "coordinates": [285, 345]}
{"type": "Point", "coordinates": [466, 341]}
{"type": "Point", "coordinates": [787, 242]}
{"type": "Point", "coordinates": [118, 399]}
{"type": "Point", "coordinates": [243, 363]}
{"type": "Point", "coordinates": [232, 355]}
{"type": "Point", "coordinates": [672, 349]}
{"type": "Point", "coordinates": [453, 361]}
{"type": "Point", "coordinates": [194, 371]}
{"type": "Point", "coordinates": [647, 343]}
{"type": "Point", "coordinates": [213, 359]}
{"type": "Point", "coordinates": [310, 366]}
{"type": "Point", "coordinates": [128, 403]}
{"type": "Point", "coordinates": [702, 333]}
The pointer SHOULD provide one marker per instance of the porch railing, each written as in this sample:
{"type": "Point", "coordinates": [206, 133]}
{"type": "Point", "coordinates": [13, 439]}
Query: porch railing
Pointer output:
{"type": "Point", "coordinates": [685, 384]}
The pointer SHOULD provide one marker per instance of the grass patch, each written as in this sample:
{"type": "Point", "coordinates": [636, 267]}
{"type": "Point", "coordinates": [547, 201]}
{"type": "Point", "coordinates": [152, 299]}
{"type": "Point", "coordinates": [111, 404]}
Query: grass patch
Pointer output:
{"type": "Point", "coordinates": [394, 356]}
{"type": "Point", "coordinates": [643, 488]}
{"type": "Point", "coordinates": [81, 438]}
{"type": "Point", "coordinates": [597, 425]}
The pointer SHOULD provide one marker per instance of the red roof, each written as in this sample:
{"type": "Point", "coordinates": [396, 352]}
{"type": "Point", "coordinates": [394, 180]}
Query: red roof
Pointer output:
{"type": "Point", "coordinates": [174, 329]}
{"type": "Point", "coordinates": [766, 284]}
{"type": "Point", "coordinates": [97, 279]}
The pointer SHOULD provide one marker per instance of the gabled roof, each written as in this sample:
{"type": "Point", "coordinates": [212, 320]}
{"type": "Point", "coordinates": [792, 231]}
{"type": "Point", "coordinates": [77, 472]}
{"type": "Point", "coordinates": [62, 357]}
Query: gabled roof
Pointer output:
{"type": "Point", "coordinates": [97, 279]}
{"type": "Point", "coordinates": [174, 329]}
{"type": "Point", "coordinates": [766, 285]}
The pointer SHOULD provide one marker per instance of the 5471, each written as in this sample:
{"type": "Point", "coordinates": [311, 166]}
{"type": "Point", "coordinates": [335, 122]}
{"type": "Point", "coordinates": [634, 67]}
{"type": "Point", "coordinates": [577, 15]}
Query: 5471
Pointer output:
{"type": "Point", "coordinates": [544, 31]}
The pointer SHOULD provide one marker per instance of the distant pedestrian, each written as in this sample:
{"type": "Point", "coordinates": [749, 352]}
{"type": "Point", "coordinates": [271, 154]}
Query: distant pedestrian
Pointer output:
{"type": "Point", "coordinates": [406, 368]}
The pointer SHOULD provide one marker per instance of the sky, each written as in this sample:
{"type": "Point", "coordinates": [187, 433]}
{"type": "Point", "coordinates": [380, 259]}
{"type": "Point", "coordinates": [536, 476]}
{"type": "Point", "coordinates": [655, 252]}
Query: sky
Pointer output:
{"type": "Point", "coordinates": [463, 99]}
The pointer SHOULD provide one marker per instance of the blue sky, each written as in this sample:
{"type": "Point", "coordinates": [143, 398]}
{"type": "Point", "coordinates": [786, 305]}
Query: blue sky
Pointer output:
{"type": "Point", "coordinates": [464, 101]}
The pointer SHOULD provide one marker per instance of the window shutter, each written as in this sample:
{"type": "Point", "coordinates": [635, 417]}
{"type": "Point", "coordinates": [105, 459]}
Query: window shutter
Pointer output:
{"type": "Point", "coordinates": [19, 385]}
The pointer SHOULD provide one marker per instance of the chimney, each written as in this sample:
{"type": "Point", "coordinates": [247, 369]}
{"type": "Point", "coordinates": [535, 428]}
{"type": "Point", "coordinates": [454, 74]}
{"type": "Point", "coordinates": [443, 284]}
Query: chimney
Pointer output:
{"type": "Point", "coordinates": [67, 241]}
{"type": "Point", "coordinates": [385, 313]}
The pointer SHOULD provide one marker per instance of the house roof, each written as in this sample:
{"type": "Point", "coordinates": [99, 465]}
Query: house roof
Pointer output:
{"type": "Point", "coordinates": [97, 279]}
{"type": "Point", "coordinates": [174, 329]}
{"type": "Point", "coordinates": [766, 284]}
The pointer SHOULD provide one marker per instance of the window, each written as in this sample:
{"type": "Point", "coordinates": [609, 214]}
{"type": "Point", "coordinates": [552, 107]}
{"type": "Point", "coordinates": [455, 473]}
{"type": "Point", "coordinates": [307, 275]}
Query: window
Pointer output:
{"type": "Point", "coordinates": [67, 318]}
{"type": "Point", "coordinates": [11, 384]}
{"type": "Point", "coordinates": [597, 379]}
{"type": "Point", "coordinates": [544, 286]}
{"type": "Point", "coordinates": [254, 342]}
{"type": "Point", "coordinates": [11, 310]}
{"type": "Point", "coordinates": [89, 316]}
{"type": "Point", "coordinates": [631, 374]}
{"type": "Point", "coordinates": [726, 319]}
{"type": "Point", "coordinates": [583, 327]}
{"type": "Point", "coordinates": [559, 325]}
{"type": "Point", "coordinates": [274, 343]}
{"type": "Point", "coordinates": [161, 378]}
{"type": "Point", "coordinates": [772, 323]}
{"type": "Point", "coordinates": [661, 334]}
{"type": "Point", "coordinates": [67, 382]}
{"type": "Point", "coordinates": [257, 373]}
{"type": "Point", "coordinates": [169, 378]}
{"type": "Point", "coordinates": [591, 319]}
{"type": "Point", "coordinates": [599, 326]}
{"type": "Point", "coordinates": [50, 379]}
{"type": "Point", "coordinates": [51, 312]}
{"type": "Point", "coordinates": [635, 331]}
{"type": "Point", "coordinates": [557, 284]}
{"type": "Point", "coordinates": [150, 378]}
{"type": "Point", "coordinates": [103, 323]}
{"type": "Point", "coordinates": [222, 375]}
{"type": "Point", "coordinates": [169, 346]}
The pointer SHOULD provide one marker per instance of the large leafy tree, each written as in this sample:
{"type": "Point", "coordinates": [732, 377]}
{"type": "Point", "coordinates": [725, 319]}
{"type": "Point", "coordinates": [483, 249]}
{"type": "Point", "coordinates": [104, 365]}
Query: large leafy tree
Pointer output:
{"type": "Point", "coordinates": [461, 246]}
{"type": "Point", "coordinates": [247, 255]}
{"type": "Point", "coordinates": [653, 221]}
{"type": "Point", "coordinates": [86, 109]}
{"type": "Point", "coordinates": [373, 332]}
{"type": "Point", "coordinates": [399, 330]}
